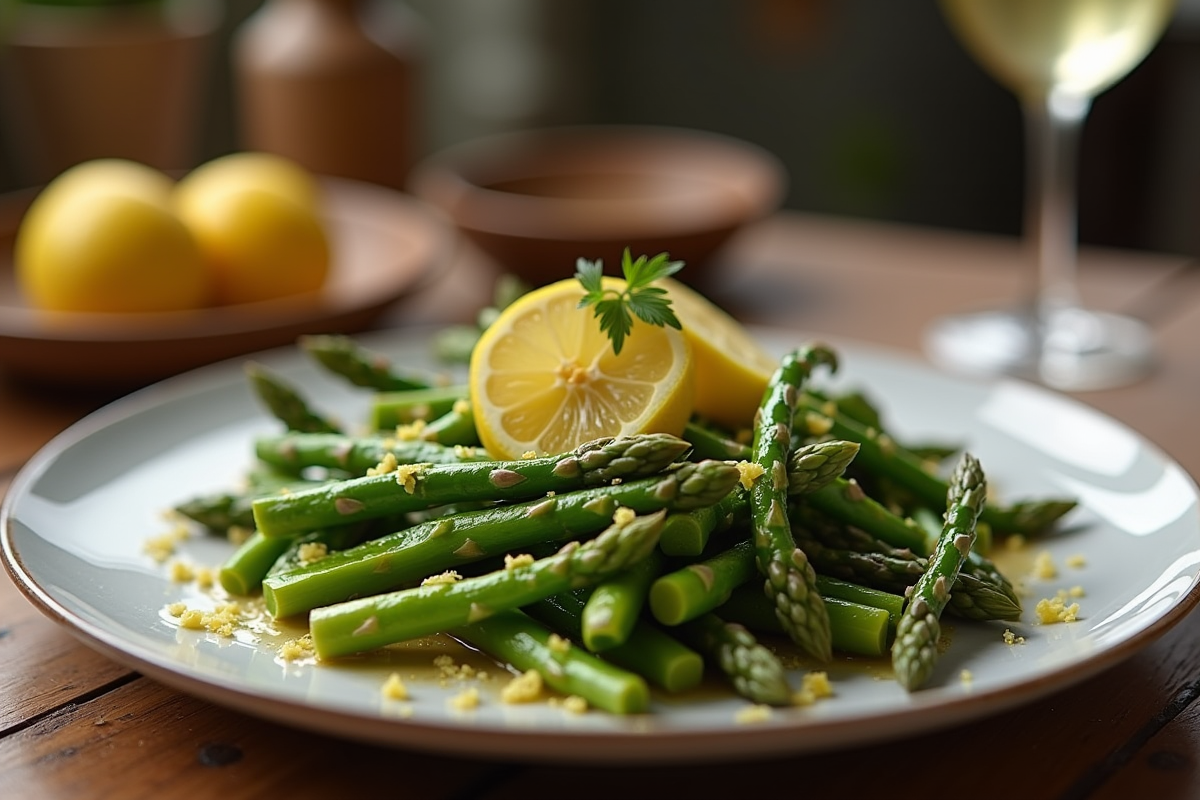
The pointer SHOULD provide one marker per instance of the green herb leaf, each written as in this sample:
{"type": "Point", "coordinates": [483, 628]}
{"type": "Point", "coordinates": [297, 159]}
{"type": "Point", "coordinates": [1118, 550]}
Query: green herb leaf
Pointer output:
{"type": "Point", "coordinates": [590, 274]}
{"type": "Point", "coordinates": [616, 309]}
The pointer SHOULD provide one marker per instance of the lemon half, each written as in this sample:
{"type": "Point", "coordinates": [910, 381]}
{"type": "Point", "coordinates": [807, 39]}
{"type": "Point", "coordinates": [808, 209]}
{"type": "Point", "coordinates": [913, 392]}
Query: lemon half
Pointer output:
{"type": "Point", "coordinates": [544, 378]}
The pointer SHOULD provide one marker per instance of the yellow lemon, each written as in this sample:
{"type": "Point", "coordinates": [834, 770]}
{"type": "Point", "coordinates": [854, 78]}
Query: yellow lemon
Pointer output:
{"type": "Point", "coordinates": [257, 220]}
{"type": "Point", "coordinates": [732, 368]}
{"type": "Point", "coordinates": [544, 378]}
{"type": "Point", "coordinates": [102, 237]}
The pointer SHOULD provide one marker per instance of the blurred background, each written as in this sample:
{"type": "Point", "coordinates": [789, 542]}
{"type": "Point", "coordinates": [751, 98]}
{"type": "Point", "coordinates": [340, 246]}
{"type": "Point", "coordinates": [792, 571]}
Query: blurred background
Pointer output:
{"type": "Point", "coordinates": [875, 109]}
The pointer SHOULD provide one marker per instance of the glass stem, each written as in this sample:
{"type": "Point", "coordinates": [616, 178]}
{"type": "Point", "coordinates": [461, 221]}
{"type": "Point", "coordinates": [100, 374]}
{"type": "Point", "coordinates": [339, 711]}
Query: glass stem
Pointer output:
{"type": "Point", "coordinates": [1052, 126]}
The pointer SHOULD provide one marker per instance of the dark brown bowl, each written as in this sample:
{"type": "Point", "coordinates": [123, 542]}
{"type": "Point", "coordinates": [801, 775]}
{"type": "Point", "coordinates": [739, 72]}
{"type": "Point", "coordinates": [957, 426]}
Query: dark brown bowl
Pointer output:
{"type": "Point", "coordinates": [538, 200]}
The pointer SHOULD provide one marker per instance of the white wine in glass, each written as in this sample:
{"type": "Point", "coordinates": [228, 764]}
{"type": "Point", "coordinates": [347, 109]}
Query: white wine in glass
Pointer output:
{"type": "Point", "coordinates": [1055, 56]}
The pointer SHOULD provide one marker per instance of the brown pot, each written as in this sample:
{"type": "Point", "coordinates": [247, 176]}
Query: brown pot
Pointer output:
{"type": "Point", "coordinates": [127, 82]}
{"type": "Point", "coordinates": [331, 84]}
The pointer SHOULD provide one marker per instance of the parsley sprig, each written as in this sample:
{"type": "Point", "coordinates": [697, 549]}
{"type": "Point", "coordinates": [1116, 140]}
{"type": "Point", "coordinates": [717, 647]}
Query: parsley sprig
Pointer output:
{"type": "Point", "coordinates": [616, 309]}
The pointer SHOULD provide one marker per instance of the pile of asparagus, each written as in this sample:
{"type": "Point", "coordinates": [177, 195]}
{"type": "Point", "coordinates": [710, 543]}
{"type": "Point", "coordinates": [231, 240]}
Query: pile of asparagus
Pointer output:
{"type": "Point", "coordinates": [629, 561]}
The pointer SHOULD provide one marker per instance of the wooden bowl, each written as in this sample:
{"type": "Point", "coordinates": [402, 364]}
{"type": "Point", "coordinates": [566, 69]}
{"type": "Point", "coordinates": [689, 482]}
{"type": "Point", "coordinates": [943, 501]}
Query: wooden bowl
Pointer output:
{"type": "Point", "coordinates": [386, 245]}
{"type": "Point", "coordinates": [538, 200]}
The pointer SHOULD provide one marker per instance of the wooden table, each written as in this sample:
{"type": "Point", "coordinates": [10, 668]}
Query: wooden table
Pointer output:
{"type": "Point", "coordinates": [74, 724]}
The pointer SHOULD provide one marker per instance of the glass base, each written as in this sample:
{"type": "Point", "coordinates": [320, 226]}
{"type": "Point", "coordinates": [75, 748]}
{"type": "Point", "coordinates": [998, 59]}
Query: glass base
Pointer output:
{"type": "Point", "coordinates": [1072, 349]}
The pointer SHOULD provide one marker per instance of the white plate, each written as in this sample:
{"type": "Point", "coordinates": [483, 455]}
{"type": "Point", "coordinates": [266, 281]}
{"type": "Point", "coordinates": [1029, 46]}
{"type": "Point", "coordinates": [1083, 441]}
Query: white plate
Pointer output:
{"type": "Point", "coordinates": [77, 516]}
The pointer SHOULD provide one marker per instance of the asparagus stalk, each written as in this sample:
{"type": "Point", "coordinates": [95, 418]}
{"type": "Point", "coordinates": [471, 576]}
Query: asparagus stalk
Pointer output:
{"type": "Point", "coordinates": [789, 578]}
{"type": "Point", "coordinates": [415, 487]}
{"type": "Point", "coordinates": [243, 571]}
{"type": "Point", "coordinates": [455, 427]}
{"type": "Point", "coordinates": [845, 501]}
{"type": "Point", "coordinates": [931, 522]}
{"type": "Point", "coordinates": [755, 672]}
{"type": "Point", "coordinates": [220, 511]}
{"type": "Point", "coordinates": [835, 589]}
{"type": "Point", "coordinates": [368, 623]}
{"type": "Point", "coordinates": [915, 649]}
{"type": "Point", "coordinates": [408, 555]}
{"type": "Point", "coordinates": [881, 455]}
{"type": "Point", "coordinates": [809, 468]}
{"type": "Point", "coordinates": [648, 651]}
{"type": "Point", "coordinates": [286, 403]}
{"type": "Point", "coordinates": [858, 629]}
{"type": "Point", "coordinates": [614, 605]}
{"type": "Point", "coordinates": [344, 356]}
{"type": "Point", "coordinates": [514, 638]}
{"type": "Point", "coordinates": [812, 467]}
{"type": "Point", "coordinates": [696, 589]}
{"type": "Point", "coordinates": [979, 593]}
{"type": "Point", "coordinates": [855, 628]}
{"type": "Point", "coordinates": [686, 533]}
{"type": "Point", "coordinates": [711, 584]}
{"type": "Point", "coordinates": [295, 452]}
{"type": "Point", "coordinates": [708, 443]}
{"type": "Point", "coordinates": [389, 409]}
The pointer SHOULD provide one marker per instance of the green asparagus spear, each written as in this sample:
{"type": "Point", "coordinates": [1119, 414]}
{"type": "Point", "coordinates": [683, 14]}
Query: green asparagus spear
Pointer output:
{"type": "Point", "coordinates": [915, 648]}
{"type": "Point", "coordinates": [710, 585]}
{"type": "Point", "coordinates": [836, 589]}
{"type": "Point", "coordinates": [243, 571]}
{"type": "Point", "coordinates": [789, 578]}
{"type": "Point", "coordinates": [755, 672]}
{"type": "Point", "coordinates": [810, 467]}
{"type": "Point", "coordinates": [656, 656]}
{"type": "Point", "coordinates": [881, 455]}
{"type": "Point", "coordinates": [455, 427]}
{"type": "Point", "coordinates": [979, 593]}
{"type": "Point", "coordinates": [415, 487]}
{"type": "Point", "coordinates": [686, 533]}
{"type": "Point", "coordinates": [855, 628]}
{"type": "Point", "coordinates": [696, 589]}
{"type": "Point", "coordinates": [368, 623]}
{"type": "Point", "coordinates": [845, 501]}
{"type": "Point", "coordinates": [390, 409]}
{"type": "Point", "coordinates": [220, 511]}
{"type": "Point", "coordinates": [613, 607]}
{"type": "Point", "coordinates": [343, 356]}
{"type": "Point", "coordinates": [286, 403]}
{"type": "Point", "coordinates": [931, 523]}
{"type": "Point", "coordinates": [296, 452]}
{"type": "Point", "coordinates": [708, 443]}
{"type": "Point", "coordinates": [408, 555]}
{"type": "Point", "coordinates": [512, 637]}
{"type": "Point", "coordinates": [858, 629]}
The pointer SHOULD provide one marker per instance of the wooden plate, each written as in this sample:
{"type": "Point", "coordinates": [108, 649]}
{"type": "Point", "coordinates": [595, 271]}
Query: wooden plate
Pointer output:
{"type": "Point", "coordinates": [385, 245]}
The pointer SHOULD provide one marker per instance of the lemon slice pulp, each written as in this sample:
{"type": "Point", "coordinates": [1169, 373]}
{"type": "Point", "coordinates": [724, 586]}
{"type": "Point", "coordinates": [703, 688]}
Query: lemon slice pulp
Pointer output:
{"type": "Point", "coordinates": [544, 378]}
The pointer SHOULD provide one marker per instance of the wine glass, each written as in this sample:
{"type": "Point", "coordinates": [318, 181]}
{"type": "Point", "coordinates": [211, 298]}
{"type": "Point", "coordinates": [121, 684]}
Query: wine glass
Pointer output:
{"type": "Point", "coordinates": [1056, 56]}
